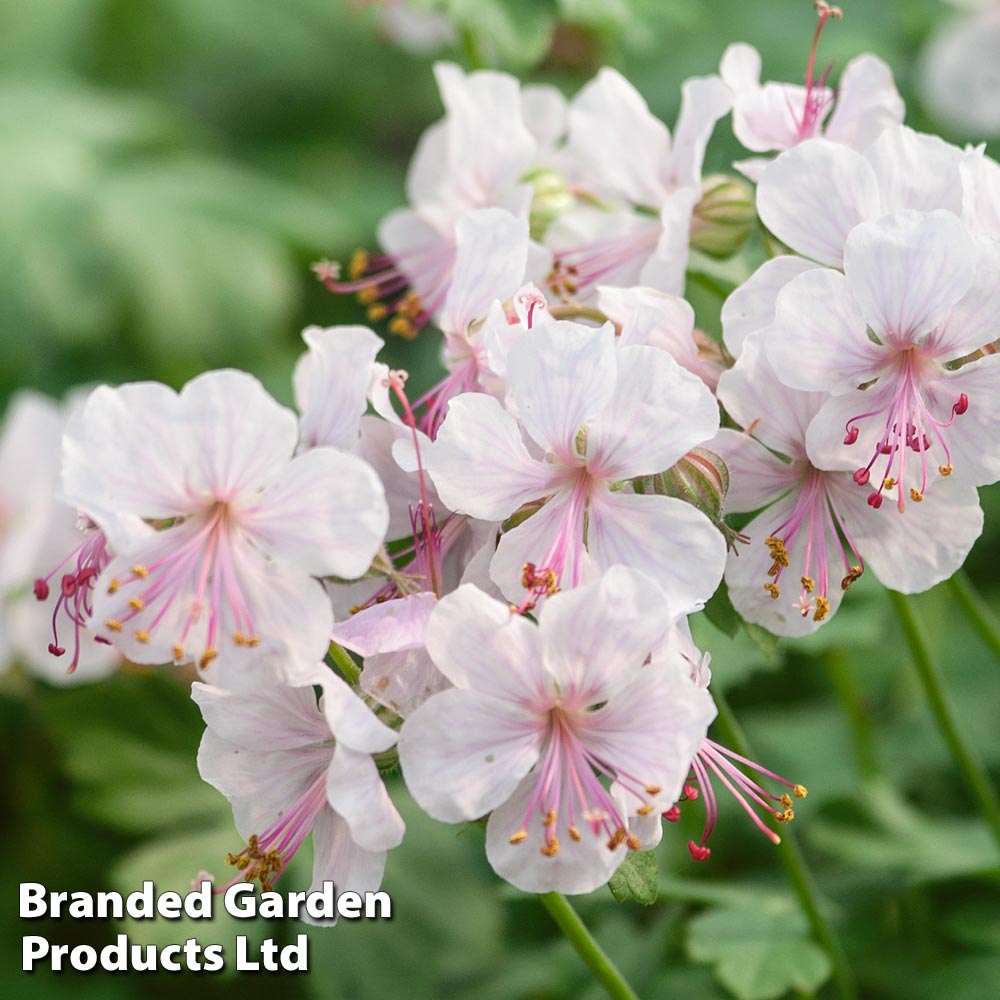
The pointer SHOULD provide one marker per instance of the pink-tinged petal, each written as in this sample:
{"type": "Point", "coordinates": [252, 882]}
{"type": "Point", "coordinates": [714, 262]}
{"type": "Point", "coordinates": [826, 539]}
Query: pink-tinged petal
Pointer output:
{"type": "Point", "coordinates": [489, 264]}
{"type": "Point", "coordinates": [751, 306]}
{"type": "Point", "coordinates": [356, 792]}
{"type": "Point", "coordinates": [595, 636]}
{"type": "Point", "coordinates": [260, 785]}
{"type": "Point", "coordinates": [338, 859]}
{"type": "Point", "coordinates": [704, 100]}
{"type": "Point", "coordinates": [974, 322]}
{"type": "Point", "coordinates": [666, 266]}
{"type": "Point", "coordinates": [916, 171]}
{"type": "Point", "coordinates": [867, 103]}
{"type": "Point", "coordinates": [479, 644]}
{"type": "Point", "coordinates": [608, 116]}
{"type": "Point", "coordinates": [652, 390]}
{"type": "Point", "coordinates": [479, 462]}
{"type": "Point", "coordinates": [123, 453]}
{"type": "Point", "coordinates": [835, 189]}
{"type": "Point", "coordinates": [387, 627]}
{"type": "Point", "coordinates": [652, 728]}
{"type": "Point", "coordinates": [768, 117]}
{"type": "Point", "coordinates": [664, 538]}
{"type": "Point", "coordinates": [578, 867]}
{"type": "Point", "coordinates": [545, 112]}
{"type": "Point", "coordinates": [747, 573]}
{"type": "Point", "coordinates": [981, 199]}
{"type": "Point", "coordinates": [489, 145]}
{"type": "Point", "coordinates": [768, 409]}
{"type": "Point", "coordinates": [819, 339]}
{"type": "Point", "coordinates": [424, 248]}
{"type": "Point", "coordinates": [402, 681]}
{"type": "Point", "coordinates": [277, 718]}
{"type": "Point", "coordinates": [463, 753]}
{"type": "Point", "coordinates": [907, 271]}
{"type": "Point", "coordinates": [426, 176]}
{"type": "Point", "coordinates": [331, 384]}
{"type": "Point", "coordinates": [648, 317]}
{"type": "Point", "coordinates": [352, 722]}
{"type": "Point", "coordinates": [740, 67]}
{"type": "Point", "coordinates": [753, 167]}
{"type": "Point", "coordinates": [327, 515]}
{"type": "Point", "coordinates": [972, 439]}
{"type": "Point", "coordinates": [756, 476]}
{"type": "Point", "coordinates": [913, 551]}
{"type": "Point", "coordinates": [215, 411]}
{"type": "Point", "coordinates": [826, 434]}
{"type": "Point", "coordinates": [554, 527]}
{"type": "Point", "coordinates": [561, 377]}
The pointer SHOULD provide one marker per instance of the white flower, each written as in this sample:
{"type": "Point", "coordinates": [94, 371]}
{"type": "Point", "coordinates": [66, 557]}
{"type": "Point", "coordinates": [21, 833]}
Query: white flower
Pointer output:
{"type": "Point", "coordinates": [216, 527]}
{"type": "Point", "coordinates": [540, 716]}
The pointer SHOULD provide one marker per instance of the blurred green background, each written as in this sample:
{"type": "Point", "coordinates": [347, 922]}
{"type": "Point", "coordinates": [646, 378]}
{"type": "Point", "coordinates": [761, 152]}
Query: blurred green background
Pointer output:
{"type": "Point", "coordinates": [168, 171]}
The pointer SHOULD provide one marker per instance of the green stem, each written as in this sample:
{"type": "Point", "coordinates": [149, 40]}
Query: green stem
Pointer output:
{"type": "Point", "coordinates": [586, 947]}
{"type": "Point", "coordinates": [710, 284]}
{"type": "Point", "coordinates": [345, 664]}
{"type": "Point", "coordinates": [849, 695]}
{"type": "Point", "coordinates": [796, 868]}
{"type": "Point", "coordinates": [966, 761]}
{"type": "Point", "coordinates": [978, 611]}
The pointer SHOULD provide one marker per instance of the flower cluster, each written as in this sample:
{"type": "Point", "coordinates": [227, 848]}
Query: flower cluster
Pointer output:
{"type": "Point", "coordinates": [514, 553]}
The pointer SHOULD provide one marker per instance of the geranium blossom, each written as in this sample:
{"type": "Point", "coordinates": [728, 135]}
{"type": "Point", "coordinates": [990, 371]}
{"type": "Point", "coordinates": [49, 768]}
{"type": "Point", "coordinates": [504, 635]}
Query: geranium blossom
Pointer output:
{"type": "Point", "coordinates": [542, 718]}
{"type": "Point", "coordinates": [217, 529]}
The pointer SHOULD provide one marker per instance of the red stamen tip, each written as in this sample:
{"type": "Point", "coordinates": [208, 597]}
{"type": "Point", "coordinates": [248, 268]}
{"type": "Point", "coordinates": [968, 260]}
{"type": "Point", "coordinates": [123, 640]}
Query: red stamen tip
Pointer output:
{"type": "Point", "coordinates": [862, 476]}
{"type": "Point", "coordinates": [41, 589]}
{"type": "Point", "coordinates": [851, 436]}
{"type": "Point", "coordinates": [961, 406]}
{"type": "Point", "coordinates": [690, 792]}
{"type": "Point", "coordinates": [56, 650]}
{"type": "Point", "coordinates": [673, 814]}
{"type": "Point", "coordinates": [698, 851]}
{"type": "Point", "coordinates": [875, 500]}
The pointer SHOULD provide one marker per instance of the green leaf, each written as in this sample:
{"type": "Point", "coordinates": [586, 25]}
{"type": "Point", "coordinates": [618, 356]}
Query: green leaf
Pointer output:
{"type": "Point", "coordinates": [757, 954]}
{"type": "Point", "coordinates": [721, 613]}
{"type": "Point", "coordinates": [637, 877]}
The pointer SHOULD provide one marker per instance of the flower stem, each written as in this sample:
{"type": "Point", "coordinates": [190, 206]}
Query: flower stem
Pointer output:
{"type": "Point", "coordinates": [586, 947]}
{"type": "Point", "coordinates": [978, 611]}
{"type": "Point", "coordinates": [796, 869]}
{"type": "Point", "coordinates": [966, 761]}
{"type": "Point", "coordinates": [345, 664]}
{"type": "Point", "coordinates": [852, 701]}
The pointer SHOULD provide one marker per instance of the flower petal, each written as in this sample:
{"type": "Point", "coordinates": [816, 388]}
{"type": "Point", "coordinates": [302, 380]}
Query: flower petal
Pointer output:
{"type": "Point", "coordinates": [867, 103]}
{"type": "Point", "coordinates": [356, 791]}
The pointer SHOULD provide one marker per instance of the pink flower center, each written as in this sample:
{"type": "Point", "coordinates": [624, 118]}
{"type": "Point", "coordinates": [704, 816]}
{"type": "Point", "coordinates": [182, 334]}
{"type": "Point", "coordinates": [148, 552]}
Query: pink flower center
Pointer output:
{"type": "Point", "coordinates": [570, 788]}
{"type": "Point", "coordinates": [814, 517]}
{"type": "Point", "coordinates": [197, 578]}
{"type": "Point", "coordinates": [908, 425]}
{"type": "Point", "coordinates": [585, 266]}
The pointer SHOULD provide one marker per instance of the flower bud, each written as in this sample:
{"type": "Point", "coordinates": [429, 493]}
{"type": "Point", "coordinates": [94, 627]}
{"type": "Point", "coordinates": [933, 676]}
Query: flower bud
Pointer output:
{"type": "Point", "coordinates": [724, 217]}
{"type": "Point", "coordinates": [701, 479]}
{"type": "Point", "coordinates": [550, 199]}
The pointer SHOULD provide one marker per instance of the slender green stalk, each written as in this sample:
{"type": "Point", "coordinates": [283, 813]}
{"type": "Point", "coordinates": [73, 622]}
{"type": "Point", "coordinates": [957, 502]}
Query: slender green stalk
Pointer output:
{"type": "Point", "coordinates": [965, 759]}
{"type": "Point", "coordinates": [849, 695]}
{"type": "Point", "coordinates": [796, 869]}
{"type": "Point", "coordinates": [978, 611]}
{"type": "Point", "coordinates": [586, 947]}
{"type": "Point", "coordinates": [344, 662]}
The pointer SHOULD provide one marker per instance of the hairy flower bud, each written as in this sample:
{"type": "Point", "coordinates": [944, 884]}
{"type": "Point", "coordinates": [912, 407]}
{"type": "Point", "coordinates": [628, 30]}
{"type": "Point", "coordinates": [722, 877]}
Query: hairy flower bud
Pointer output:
{"type": "Point", "coordinates": [724, 217]}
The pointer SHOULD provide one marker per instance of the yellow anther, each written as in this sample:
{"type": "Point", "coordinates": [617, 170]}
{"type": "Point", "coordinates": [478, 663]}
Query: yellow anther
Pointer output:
{"type": "Point", "coordinates": [549, 819]}
{"type": "Point", "coordinates": [139, 570]}
{"type": "Point", "coordinates": [142, 636]}
{"type": "Point", "coordinates": [114, 584]}
{"type": "Point", "coordinates": [136, 603]}
{"type": "Point", "coordinates": [617, 838]}
{"type": "Point", "coordinates": [113, 624]}
{"type": "Point", "coordinates": [178, 652]}
{"type": "Point", "coordinates": [253, 641]}
{"type": "Point", "coordinates": [888, 483]}
{"type": "Point", "coordinates": [358, 265]}
{"type": "Point", "coordinates": [915, 495]}
{"type": "Point", "coordinates": [239, 638]}
{"type": "Point", "coordinates": [402, 328]}
{"type": "Point", "coordinates": [653, 789]}
{"type": "Point", "coordinates": [822, 609]}
{"type": "Point", "coordinates": [377, 312]}
{"type": "Point", "coordinates": [574, 834]}
{"type": "Point", "coordinates": [809, 584]}
{"type": "Point", "coordinates": [368, 296]}
{"type": "Point", "coordinates": [773, 590]}
{"type": "Point", "coordinates": [786, 800]}
{"type": "Point", "coordinates": [945, 470]}
{"type": "Point", "coordinates": [800, 791]}
{"type": "Point", "coordinates": [206, 658]}
{"type": "Point", "coordinates": [632, 842]}
{"type": "Point", "coordinates": [851, 577]}
{"type": "Point", "coordinates": [551, 847]}
{"type": "Point", "coordinates": [778, 551]}
{"type": "Point", "coordinates": [519, 836]}
{"type": "Point", "coordinates": [645, 809]}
